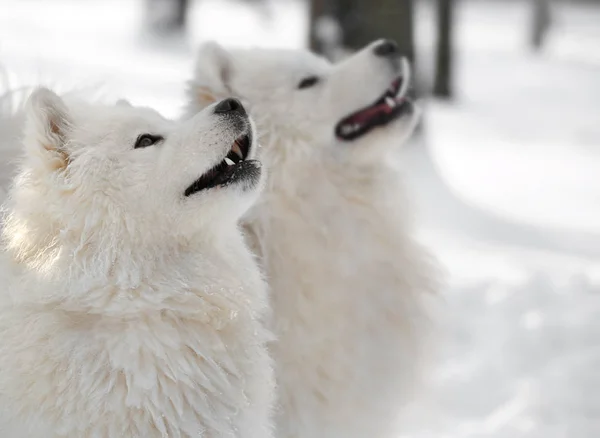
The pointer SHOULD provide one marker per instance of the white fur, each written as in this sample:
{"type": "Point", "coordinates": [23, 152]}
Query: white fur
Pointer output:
{"type": "Point", "coordinates": [128, 310]}
{"type": "Point", "coordinates": [333, 230]}
{"type": "Point", "coordinates": [11, 126]}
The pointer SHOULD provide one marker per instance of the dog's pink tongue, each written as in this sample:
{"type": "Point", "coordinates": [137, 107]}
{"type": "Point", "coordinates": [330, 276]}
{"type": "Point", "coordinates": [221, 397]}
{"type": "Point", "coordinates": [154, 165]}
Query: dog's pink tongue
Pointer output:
{"type": "Point", "coordinates": [371, 112]}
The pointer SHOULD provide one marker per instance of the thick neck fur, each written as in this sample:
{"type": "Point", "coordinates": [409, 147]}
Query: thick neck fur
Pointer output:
{"type": "Point", "coordinates": [83, 263]}
{"type": "Point", "coordinates": [330, 198]}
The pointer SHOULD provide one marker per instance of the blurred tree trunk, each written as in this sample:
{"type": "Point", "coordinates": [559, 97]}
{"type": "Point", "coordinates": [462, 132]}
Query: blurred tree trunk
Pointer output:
{"type": "Point", "coordinates": [442, 86]}
{"type": "Point", "coordinates": [181, 13]}
{"type": "Point", "coordinates": [540, 23]}
{"type": "Point", "coordinates": [317, 10]}
{"type": "Point", "coordinates": [364, 21]}
{"type": "Point", "coordinates": [166, 16]}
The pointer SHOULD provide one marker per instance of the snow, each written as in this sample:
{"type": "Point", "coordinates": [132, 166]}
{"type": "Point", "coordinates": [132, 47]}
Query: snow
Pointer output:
{"type": "Point", "coordinates": [505, 181]}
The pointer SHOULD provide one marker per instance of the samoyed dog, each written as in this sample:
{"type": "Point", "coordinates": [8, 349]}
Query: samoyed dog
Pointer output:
{"type": "Point", "coordinates": [350, 285]}
{"type": "Point", "coordinates": [131, 306]}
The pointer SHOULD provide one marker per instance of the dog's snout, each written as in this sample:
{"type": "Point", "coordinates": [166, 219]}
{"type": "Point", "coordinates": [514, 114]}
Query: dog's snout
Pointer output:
{"type": "Point", "coordinates": [230, 105]}
{"type": "Point", "coordinates": [387, 48]}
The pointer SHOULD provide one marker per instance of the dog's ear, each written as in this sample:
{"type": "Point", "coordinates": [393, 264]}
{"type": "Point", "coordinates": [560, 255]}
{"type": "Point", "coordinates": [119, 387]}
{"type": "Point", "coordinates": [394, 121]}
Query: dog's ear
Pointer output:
{"type": "Point", "coordinates": [124, 103]}
{"type": "Point", "coordinates": [47, 128]}
{"type": "Point", "coordinates": [212, 75]}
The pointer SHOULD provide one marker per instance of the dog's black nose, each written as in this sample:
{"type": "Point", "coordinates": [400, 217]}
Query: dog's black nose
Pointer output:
{"type": "Point", "coordinates": [387, 48]}
{"type": "Point", "coordinates": [229, 105]}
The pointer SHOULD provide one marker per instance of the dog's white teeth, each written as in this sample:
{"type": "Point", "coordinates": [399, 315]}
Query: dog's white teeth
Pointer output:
{"type": "Point", "coordinates": [350, 129]}
{"type": "Point", "coordinates": [390, 102]}
{"type": "Point", "coordinates": [229, 161]}
{"type": "Point", "coordinates": [236, 149]}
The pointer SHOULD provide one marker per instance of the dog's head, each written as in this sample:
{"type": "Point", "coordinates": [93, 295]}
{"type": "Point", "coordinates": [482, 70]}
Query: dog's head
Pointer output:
{"type": "Point", "coordinates": [358, 106]}
{"type": "Point", "coordinates": [117, 176]}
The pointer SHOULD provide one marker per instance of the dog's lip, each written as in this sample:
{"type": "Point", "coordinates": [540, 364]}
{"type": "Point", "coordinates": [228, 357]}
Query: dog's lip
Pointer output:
{"type": "Point", "coordinates": [228, 168]}
{"type": "Point", "coordinates": [392, 104]}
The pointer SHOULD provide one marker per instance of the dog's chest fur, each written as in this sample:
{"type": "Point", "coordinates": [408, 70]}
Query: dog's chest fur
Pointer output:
{"type": "Point", "coordinates": [347, 283]}
{"type": "Point", "coordinates": [183, 356]}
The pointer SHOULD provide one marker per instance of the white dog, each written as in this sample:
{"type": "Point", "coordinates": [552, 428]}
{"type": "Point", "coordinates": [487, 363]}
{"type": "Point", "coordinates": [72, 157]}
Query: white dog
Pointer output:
{"type": "Point", "coordinates": [131, 306]}
{"type": "Point", "coordinates": [333, 231]}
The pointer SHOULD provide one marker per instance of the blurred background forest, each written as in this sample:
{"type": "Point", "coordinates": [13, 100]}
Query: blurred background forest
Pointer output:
{"type": "Point", "coordinates": [338, 27]}
{"type": "Point", "coordinates": [505, 168]}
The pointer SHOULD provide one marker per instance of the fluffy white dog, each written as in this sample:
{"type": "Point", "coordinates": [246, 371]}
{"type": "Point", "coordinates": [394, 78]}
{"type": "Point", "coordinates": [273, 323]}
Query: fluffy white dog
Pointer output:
{"type": "Point", "coordinates": [333, 230]}
{"type": "Point", "coordinates": [131, 306]}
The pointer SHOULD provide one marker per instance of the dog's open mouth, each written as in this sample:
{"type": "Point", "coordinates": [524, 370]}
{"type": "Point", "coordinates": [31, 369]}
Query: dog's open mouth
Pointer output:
{"type": "Point", "coordinates": [234, 167]}
{"type": "Point", "coordinates": [391, 105]}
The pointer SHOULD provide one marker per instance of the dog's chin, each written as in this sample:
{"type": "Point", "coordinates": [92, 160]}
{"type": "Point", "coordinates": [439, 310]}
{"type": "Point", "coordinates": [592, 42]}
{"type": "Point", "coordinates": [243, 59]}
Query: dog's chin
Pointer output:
{"type": "Point", "coordinates": [234, 200]}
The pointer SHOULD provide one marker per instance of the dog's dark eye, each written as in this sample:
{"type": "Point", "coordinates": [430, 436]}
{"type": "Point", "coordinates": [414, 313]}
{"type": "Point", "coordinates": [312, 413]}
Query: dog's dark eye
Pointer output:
{"type": "Point", "coordinates": [145, 140]}
{"type": "Point", "coordinates": [308, 82]}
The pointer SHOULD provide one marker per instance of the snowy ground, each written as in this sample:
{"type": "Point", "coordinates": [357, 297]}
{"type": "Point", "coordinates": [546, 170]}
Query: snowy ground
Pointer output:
{"type": "Point", "coordinates": [507, 189]}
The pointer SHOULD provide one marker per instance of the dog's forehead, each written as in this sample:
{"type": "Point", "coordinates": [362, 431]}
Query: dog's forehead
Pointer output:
{"type": "Point", "coordinates": [119, 118]}
{"type": "Point", "coordinates": [269, 63]}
